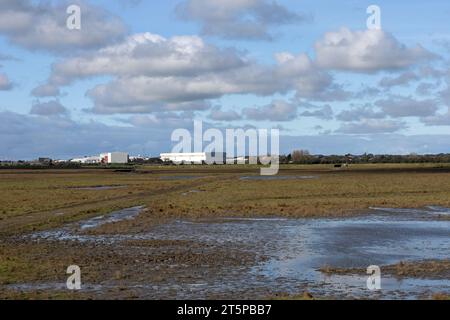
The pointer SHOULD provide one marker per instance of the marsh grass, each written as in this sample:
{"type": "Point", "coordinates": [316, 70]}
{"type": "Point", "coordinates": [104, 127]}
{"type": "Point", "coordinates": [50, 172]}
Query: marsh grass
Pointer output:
{"type": "Point", "coordinates": [35, 200]}
{"type": "Point", "coordinates": [430, 269]}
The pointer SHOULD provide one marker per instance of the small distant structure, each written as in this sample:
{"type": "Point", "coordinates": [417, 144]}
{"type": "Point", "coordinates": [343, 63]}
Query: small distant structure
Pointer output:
{"type": "Point", "coordinates": [195, 158]}
{"type": "Point", "coordinates": [59, 161]}
{"type": "Point", "coordinates": [114, 158]}
{"type": "Point", "coordinates": [87, 160]}
{"type": "Point", "coordinates": [105, 158]}
{"type": "Point", "coordinates": [138, 158]}
{"type": "Point", "coordinates": [44, 161]}
{"type": "Point", "coordinates": [238, 160]}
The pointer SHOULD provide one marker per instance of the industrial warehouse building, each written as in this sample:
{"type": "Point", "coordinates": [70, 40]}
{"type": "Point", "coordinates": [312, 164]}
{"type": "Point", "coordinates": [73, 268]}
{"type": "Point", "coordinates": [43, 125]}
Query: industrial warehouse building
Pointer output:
{"type": "Point", "coordinates": [114, 158]}
{"type": "Point", "coordinates": [195, 158]}
{"type": "Point", "coordinates": [106, 158]}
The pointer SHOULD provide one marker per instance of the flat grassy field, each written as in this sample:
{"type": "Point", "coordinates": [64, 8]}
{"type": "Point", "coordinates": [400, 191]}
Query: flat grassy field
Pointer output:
{"type": "Point", "coordinates": [34, 200]}
{"type": "Point", "coordinates": [39, 199]}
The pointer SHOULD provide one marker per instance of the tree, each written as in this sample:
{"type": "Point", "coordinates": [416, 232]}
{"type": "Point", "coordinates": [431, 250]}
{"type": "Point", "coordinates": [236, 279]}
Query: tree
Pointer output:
{"type": "Point", "coordinates": [300, 156]}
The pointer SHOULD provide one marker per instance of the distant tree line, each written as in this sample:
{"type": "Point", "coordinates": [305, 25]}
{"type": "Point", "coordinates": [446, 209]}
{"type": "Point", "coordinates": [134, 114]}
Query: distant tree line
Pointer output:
{"type": "Point", "coordinates": [304, 157]}
{"type": "Point", "coordinates": [296, 157]}
{"type": "Point", "coordinates": [33, 165]}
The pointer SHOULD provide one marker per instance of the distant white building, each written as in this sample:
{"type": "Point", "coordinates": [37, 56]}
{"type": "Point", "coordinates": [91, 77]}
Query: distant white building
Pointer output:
{"type": "Point", "coordinates": [107, 158]}
{"type": "Point", "coordinates": [195, 158]}
{"type": "Point", "coordinates": [87, 160]}
{"type": "Point", "coordinates": [114, 158]}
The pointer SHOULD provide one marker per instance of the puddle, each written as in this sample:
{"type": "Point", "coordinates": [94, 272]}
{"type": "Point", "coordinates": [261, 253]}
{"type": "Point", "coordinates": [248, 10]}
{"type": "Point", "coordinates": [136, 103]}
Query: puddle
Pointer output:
{"type": "Point", "coordinates": [429, 210]}
{"type": "Point", "coordinates": [117, 216]}
{"type": "Point", "coordinates": [71, 231]}
{"type": "Point", "coordinates": [179, 178]}
{"type": "Point", "coordinates": [190, 192]}
{"type": "Point", "coordinates": [296, 249]}
{"type": "Point", "coordinates": [255, 219]}
{"type": "Point", "coordinates": [98, 188]}
{"type": "Point", "coordinates": [276, 178]}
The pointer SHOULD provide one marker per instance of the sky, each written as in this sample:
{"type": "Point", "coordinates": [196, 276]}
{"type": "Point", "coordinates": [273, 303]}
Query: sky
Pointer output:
{"type": "Point", "coordinates": [137, 70]}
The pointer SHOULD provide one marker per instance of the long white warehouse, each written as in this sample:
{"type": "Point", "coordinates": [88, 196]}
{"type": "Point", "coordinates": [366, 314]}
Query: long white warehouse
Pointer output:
{"type": "Point", "coordinates": [195, 158]}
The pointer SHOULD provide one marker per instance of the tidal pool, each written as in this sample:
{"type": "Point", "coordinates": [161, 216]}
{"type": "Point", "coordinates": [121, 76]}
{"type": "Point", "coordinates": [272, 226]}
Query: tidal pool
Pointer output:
{"type": "Point", "coordinates": [297, 248]}
{"type": "Point", "coordinates": [293, 251]}
{"type": "Point", "coordinates": [98, 188]}
{"type": "Point", "coordinates": [179, 178]}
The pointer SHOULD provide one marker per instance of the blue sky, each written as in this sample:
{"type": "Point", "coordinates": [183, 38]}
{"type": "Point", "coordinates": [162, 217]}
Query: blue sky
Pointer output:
{"type": "Point", "coordinates": [137, 70]}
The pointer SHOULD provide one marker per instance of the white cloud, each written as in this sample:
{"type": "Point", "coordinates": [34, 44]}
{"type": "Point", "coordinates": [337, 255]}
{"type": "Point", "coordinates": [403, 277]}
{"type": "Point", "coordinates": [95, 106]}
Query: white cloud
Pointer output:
{"type": "Point", "coordinates": [398, 106]}
{"type": "Point", "coordinates": [150, 72]}
{"type": "Point", "coordinates": [402, 79]}
{"type": "Point", "coordinates": [50, 108]}
{"type": "Point", "coordinates": [237, 19]}
{"type": "Point", "coordinates": [308, 81]}
{"type": "Point", "coordinates": [218, 114]}
{"type": "Point", "coordinates": [371, 126]}
{"type": "Point", "coordinates": [366, 51]}
{"type": "Point", "coordinates": [442, 119]}
{"type": "Point", "coordinates": [149, 55]}
{"type": "Point", "coordinates": [147, 94]}
{"type": "Point", "coordinates": [46, 90]}
{"type": "Point", "coordinates": [41, 25]}
{"type": "Point", "coordinates": [278, 110]}
{"type": "Point", "coordinates": [324, 113]}
{"type": "Point", "coordinates": [359, 113]}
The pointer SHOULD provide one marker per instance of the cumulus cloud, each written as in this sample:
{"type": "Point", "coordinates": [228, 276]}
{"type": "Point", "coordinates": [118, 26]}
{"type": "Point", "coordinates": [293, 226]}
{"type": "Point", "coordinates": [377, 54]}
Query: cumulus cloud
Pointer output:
{"type": "Point", "coordinates": [147, 94]}
{"type": "Point", "coordinates": [5, 83]}
{"type": "Point", "coordinates": [163, 119]}
{"type": "Point", "coordinates": [149, 55]}
{"type": "Point", "coordinates": [425, 88]}
{"type": "Point", "coordinates": [218, 114]}
{"type": "Point", "coordinates": [359, 113]}
{"type": "Point", "coordinates": [398, 106]}
{"type": "Point", "coordinates": [50, 108]}
{"type": "Point", "coordinates": [438, 119]}
{"type": "Point", "coordinates": [308, 80]}
{"type": "Point", "coordinates": [150, 72]}
{"type": "Point", "coordinates": [366, 51]}
{"type": "Point", "coordinates": [370, 126]}
{"type": "Point", "coordinates": [46, 90]}
{"type": "Point", "coordinates": [404, 78]}
{"type": "Point", "coordinates": [366, 92]}
{"type": "Point", "coordinates": [237, 19]}
{"type": "Point", "coordinates": [41, 25]}
{"type": "Point", "coordinates": [324, 113]}
{"type": "Point", "coordinates": [278, 110]}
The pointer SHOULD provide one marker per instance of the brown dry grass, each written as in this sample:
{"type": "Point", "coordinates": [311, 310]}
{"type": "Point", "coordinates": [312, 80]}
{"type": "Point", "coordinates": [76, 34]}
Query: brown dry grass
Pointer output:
{"type": "Point", "coordinates": [41, 199]}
